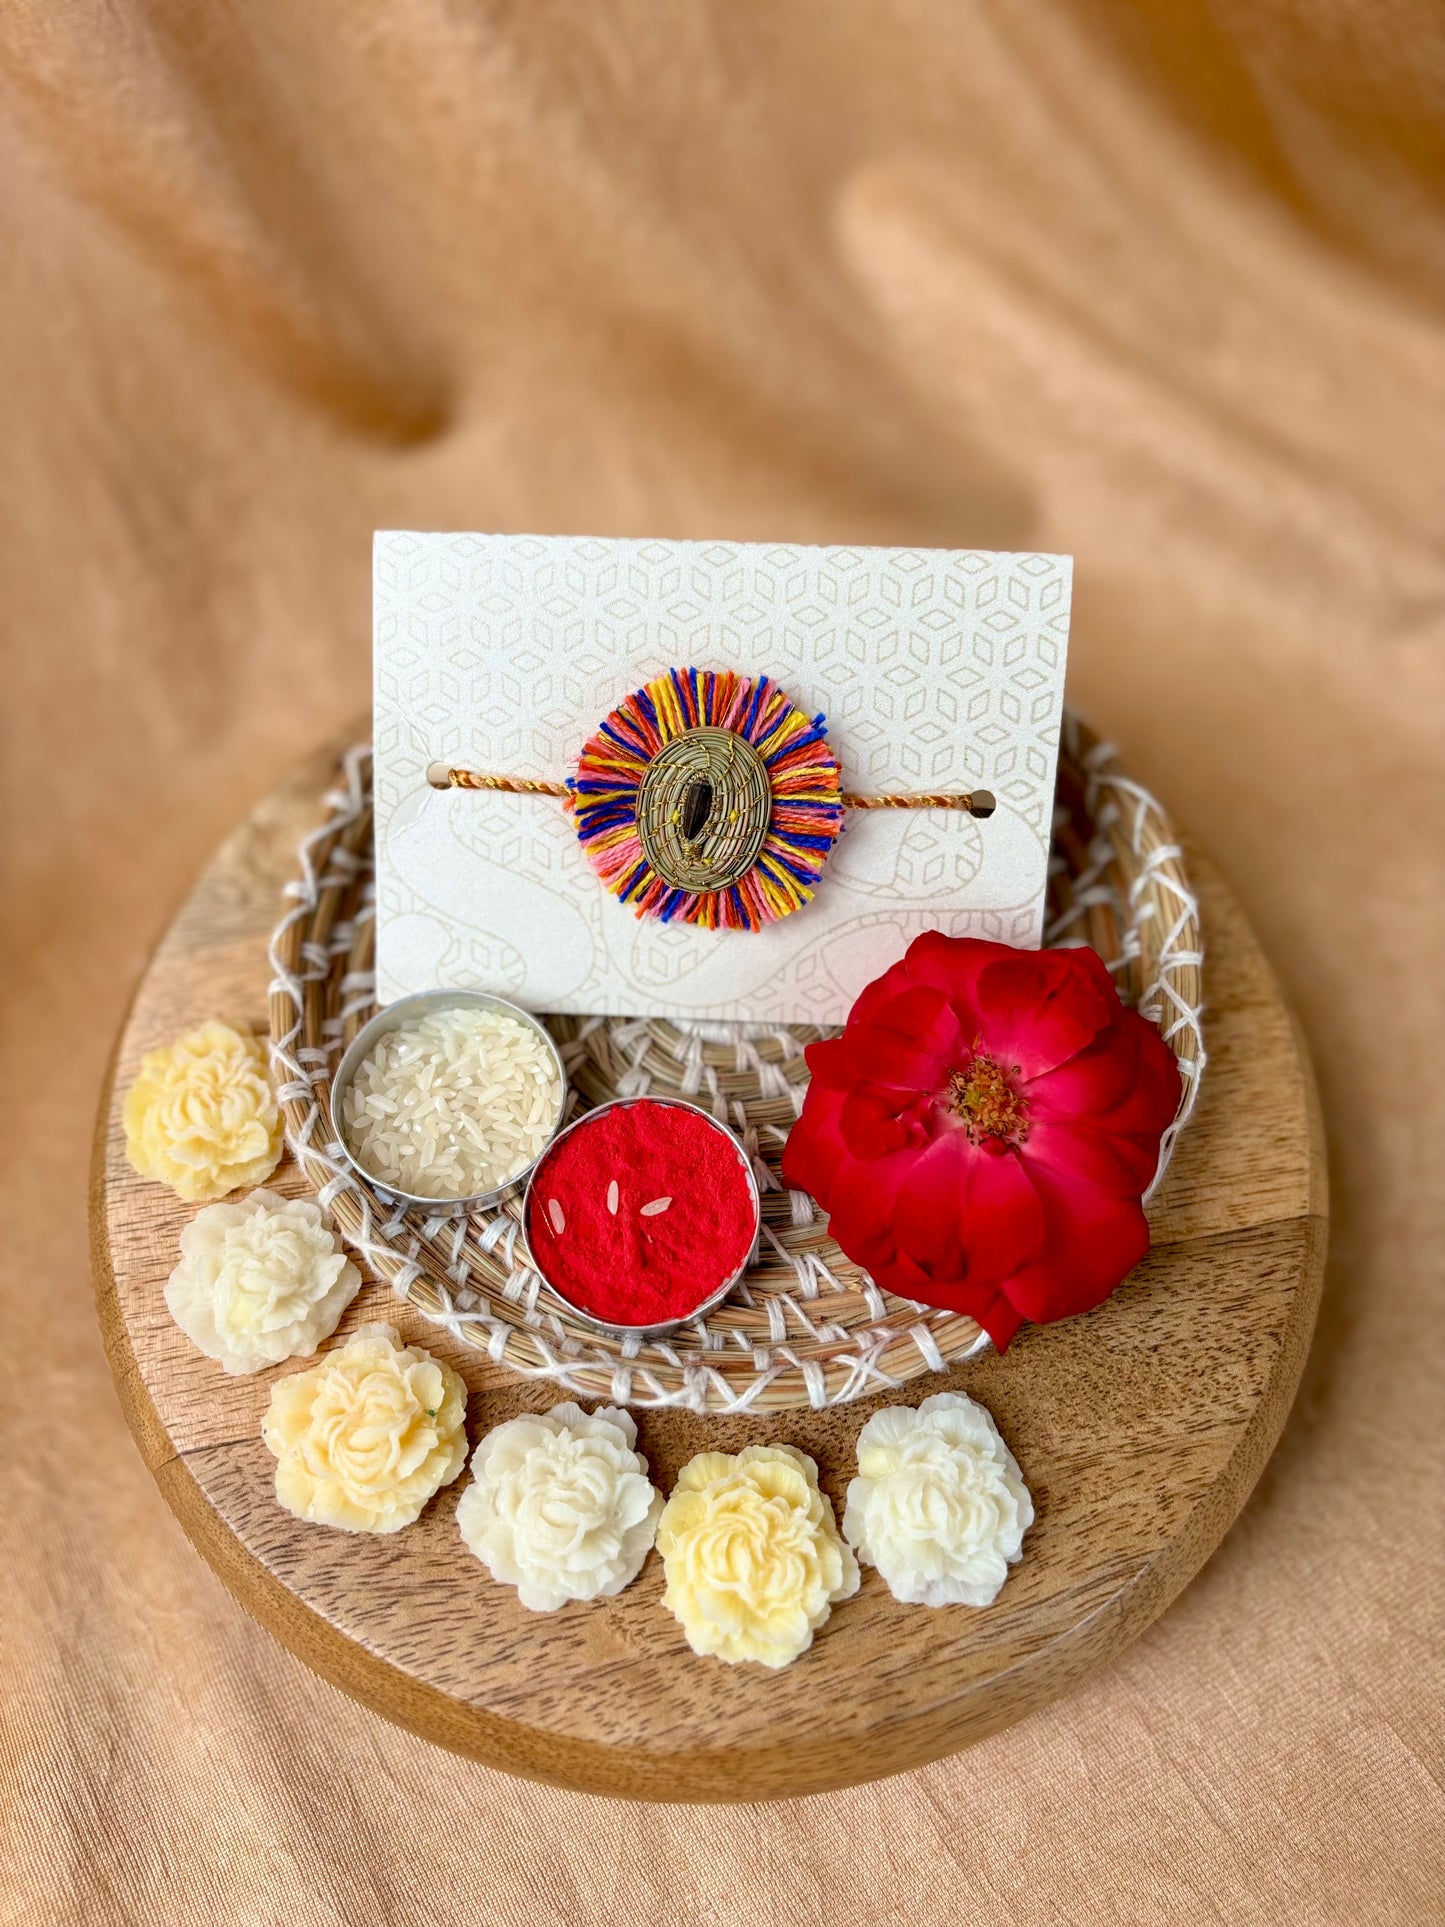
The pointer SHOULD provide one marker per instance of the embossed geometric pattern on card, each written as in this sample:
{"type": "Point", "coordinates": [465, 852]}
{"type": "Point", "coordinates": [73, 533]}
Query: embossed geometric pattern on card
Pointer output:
{"type": "Point", "coordinates": [936, 670]}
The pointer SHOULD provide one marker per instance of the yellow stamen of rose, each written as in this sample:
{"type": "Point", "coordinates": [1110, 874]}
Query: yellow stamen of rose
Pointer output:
{"type": "Point", "coordinates": [983, 1095]}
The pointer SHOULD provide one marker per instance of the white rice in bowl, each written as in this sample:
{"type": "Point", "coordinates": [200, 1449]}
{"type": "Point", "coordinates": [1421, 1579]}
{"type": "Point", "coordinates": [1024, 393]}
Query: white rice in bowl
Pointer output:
{"type": "Point", "coordinates": [456, 1104]}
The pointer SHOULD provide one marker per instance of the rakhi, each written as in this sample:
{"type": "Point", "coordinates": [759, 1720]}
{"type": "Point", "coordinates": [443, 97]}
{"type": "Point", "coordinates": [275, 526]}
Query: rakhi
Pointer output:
{"type": "Point", "coordinates": [708, 798]}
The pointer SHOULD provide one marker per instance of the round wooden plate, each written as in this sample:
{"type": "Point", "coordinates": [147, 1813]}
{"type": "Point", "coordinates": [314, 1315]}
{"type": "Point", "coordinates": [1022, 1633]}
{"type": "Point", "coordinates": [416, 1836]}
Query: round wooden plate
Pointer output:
{"type": "Point", "coordinates": [1140, 1430]}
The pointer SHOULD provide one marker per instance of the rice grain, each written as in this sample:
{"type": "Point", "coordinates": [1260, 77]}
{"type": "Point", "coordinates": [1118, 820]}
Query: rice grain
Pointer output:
{"type": "Point", "coordinates": [453, 1105]}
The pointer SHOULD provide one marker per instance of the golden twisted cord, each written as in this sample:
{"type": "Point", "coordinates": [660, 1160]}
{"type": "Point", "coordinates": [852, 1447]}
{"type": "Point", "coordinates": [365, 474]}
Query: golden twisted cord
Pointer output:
{"type": "Point", "coordinates": [979, 803]}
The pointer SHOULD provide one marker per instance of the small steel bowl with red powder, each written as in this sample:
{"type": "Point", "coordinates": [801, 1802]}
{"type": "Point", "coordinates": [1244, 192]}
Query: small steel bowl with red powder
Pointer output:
{"type": "Point", "coordinates": [642, 1215]}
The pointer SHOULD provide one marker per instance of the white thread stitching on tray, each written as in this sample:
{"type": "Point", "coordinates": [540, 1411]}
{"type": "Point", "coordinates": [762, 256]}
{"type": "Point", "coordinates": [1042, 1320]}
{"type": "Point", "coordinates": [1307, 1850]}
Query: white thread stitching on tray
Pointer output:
{"type": "Point", "coordinates": [390, 1246]}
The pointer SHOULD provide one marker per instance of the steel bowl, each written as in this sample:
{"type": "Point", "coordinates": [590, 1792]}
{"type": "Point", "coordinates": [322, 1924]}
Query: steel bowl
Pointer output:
{"type": "Point", "coordinates": [715, 1297]}
{"type": "Point", "coordinates": [407, 1010]}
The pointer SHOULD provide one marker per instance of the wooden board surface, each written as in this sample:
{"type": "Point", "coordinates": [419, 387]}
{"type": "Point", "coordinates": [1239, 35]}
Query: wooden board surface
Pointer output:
{"type": "Point", "coordinates": [1140, 1430]}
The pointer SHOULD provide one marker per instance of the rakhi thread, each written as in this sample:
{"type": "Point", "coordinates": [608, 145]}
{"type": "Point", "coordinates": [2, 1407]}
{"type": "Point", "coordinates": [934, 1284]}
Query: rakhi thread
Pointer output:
{"type": "Point", "coordinates": [978, 803]}
{"type": "Point", "coordinates": [708, 798]}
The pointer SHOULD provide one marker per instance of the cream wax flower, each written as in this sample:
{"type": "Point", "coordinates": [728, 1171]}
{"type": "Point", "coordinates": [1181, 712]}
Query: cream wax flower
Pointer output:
{"type": "Point", "coordinates": [560, 1505]}
{"type": "Point", "coordinates": [752, 1554]}
{"type": "Point", "coordinates": [939, 1505]}
{"type": "Point", "coordinates": [201, 1116]}
{"type": "Point", "coordinates": [366, 1437]}
{"type": "Point", "coordinates": [259, 1281]}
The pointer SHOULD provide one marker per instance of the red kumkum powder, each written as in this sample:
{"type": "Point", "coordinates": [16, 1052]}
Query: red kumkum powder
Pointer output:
{"type": "Point", "coordinates": [640, 1213]}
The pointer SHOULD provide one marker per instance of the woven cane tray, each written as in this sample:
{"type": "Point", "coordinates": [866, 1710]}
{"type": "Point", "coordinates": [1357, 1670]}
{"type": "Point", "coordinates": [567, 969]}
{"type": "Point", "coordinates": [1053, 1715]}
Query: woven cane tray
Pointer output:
{"type": "Point", "coordinates": [806, 1327]}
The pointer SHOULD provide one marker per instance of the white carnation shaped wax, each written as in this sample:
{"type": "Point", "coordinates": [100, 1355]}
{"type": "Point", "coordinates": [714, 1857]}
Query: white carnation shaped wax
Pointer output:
{"type": "Point", "coordinates": [560, 1505]}
{"type": "Point", "coordinates": [939, 1505]}
{"type": "Point", "coordinates": [259, 1281]}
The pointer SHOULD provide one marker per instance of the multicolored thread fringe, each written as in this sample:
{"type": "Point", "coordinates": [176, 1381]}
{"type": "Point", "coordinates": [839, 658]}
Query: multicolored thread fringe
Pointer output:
{"type": "Point", "coordinates": [803, 776]}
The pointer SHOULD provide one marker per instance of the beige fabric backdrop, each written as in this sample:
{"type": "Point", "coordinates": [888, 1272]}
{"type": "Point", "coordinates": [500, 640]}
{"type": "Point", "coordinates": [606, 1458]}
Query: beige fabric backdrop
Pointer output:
{"type": "Point", "coordinates": [1159, 285]}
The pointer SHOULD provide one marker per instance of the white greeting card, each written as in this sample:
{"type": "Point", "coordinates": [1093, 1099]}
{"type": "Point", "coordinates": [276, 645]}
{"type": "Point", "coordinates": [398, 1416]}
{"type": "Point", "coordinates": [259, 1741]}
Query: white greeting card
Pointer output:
{"type": "Point", "coordinates": [937, 670]}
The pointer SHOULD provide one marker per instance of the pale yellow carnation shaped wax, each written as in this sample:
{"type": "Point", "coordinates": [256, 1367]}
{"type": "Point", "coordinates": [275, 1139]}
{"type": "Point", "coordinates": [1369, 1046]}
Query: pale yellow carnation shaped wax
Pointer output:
{"type": "Point", "coordinates": [259, 1281]}
{"type": "Point", "coordinates": [752, 1554]}
{"type": "Point", "coordinates": [201, 1115]}
{"type": "Point", "coordinates": [363, 1439]}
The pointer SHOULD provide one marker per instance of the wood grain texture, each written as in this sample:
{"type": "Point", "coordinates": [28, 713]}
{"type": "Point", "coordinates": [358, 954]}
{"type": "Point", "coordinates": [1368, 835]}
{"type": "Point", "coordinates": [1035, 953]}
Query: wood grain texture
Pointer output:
{"type": "Point", "coordinates": [1140, 1430]}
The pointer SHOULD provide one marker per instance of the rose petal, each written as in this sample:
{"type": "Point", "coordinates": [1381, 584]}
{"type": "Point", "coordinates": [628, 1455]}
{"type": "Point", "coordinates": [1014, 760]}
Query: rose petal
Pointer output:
{"type": "Point", "coordinates": [912, 1040]}
{"type": "Point", "coordinates": [985, 1303]}
{"type": "Point", "coordinates": [829, 1064]}
{"type": "Point", "coordinates": [1126, 1080]}
{"type": "Point", "coordinates": [894, 979]}
{"type": "Point", "coordinates": [954, 965]}
{"type": "Point", "coordinates": [1094, 1239]}
{"type": "Point", "coordinates": [1082, 1149]}
{"type": "Point", "coordinates": [967, 1211]}
{"type": "Point", "coordinates": [815, 1147]}
{"type": "Point", "coordinates": [1038, 1008]}
{"type": "Point", "coordinates": [863, 1212]}
{"type": "Point", "coordinates": [876, 1120]}
{"type": "Point", "coordinates": [1088, 1084]}
{"type": "Point", "coordinates": [1154, 1099]}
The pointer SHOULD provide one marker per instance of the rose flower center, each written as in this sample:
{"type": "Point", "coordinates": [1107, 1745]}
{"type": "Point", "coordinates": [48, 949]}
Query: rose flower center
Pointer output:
{"type": "Point", "coordinates": [983, 1095]}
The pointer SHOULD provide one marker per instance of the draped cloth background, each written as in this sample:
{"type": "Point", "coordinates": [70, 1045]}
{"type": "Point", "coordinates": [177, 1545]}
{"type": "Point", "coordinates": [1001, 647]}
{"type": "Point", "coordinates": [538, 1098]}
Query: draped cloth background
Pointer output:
{"type": "Point", "coordinates": [1161, 286]}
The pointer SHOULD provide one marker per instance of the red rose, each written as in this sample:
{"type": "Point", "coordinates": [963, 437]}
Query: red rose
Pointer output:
{"type": "Point", "coordinates": [983, 1131]}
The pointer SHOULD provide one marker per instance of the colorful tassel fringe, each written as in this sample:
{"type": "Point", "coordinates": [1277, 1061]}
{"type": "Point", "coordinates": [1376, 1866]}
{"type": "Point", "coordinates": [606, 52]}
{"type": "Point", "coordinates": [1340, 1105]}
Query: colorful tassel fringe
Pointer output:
{"type": "Point", "coordinates": [802, 774]}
